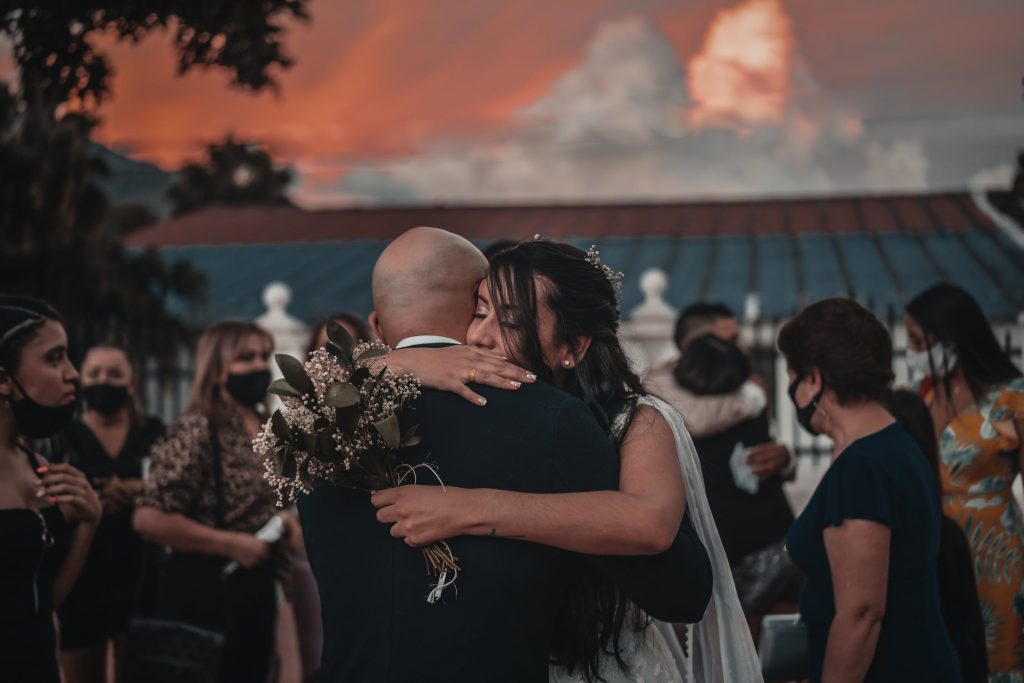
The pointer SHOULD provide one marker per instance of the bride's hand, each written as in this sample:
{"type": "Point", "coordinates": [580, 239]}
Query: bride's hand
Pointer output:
{"type": "Point", "coordinates": [452, 368]}
{"type": "Point", "coordinates": [422, 514]}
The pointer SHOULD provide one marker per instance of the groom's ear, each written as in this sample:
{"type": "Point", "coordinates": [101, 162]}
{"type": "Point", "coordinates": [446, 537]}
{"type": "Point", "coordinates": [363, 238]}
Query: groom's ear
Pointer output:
{"type": "Point", "coordinates": [375, 324]}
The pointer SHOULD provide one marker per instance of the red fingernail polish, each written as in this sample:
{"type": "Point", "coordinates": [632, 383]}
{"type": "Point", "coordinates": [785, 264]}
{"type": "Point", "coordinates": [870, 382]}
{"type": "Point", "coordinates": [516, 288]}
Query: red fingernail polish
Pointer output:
{"type": "Point", "coordinates": [41, 469]}
{"type": "Point", "coordinates": [53, 499]}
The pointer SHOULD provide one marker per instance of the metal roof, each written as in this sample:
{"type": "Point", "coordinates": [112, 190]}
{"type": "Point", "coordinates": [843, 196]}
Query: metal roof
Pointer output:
{"type": "Point", "coordinates": [787, 252]}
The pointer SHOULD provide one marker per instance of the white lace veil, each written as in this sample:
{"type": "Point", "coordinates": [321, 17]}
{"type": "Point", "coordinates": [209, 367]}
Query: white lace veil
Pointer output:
{"type": "Point", "coordinates": [721, 649]}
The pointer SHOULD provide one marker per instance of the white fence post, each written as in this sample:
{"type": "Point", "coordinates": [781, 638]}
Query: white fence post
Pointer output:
{"type": "Point", "coordinates": [291, 335]}
{"type": "Point", "coordinates": [647, 334]}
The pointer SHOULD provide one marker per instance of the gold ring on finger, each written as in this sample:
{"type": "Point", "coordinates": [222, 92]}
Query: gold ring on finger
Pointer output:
{"type": "Point", "coordinates": [472, 374]}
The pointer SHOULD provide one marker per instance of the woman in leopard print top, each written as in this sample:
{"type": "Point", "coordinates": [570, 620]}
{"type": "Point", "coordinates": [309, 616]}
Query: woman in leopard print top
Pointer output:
{"type": "Point", "coordinates": [179, 506]}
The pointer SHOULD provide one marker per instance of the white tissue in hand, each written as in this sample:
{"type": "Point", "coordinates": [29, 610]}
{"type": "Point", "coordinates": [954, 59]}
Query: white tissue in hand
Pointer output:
{"type": "Point", "coordinates": [742, 474]}
{"type": "Point", "coordinates": [272, 531]}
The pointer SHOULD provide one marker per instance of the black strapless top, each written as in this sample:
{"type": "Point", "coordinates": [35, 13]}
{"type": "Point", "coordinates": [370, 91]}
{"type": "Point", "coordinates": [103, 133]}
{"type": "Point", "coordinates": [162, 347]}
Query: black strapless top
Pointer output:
{"type": "Point", "coordinates": [33, 545]}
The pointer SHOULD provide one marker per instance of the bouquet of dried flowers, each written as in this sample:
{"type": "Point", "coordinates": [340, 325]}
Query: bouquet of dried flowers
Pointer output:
{"type": "Point", "coordinates": [342, 423]}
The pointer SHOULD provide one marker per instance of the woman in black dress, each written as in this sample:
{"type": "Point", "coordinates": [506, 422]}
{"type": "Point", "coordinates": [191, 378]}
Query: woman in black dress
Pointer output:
{"type": "Point", "coordinates": [108, 445]}
{"type": "Point", "coordinates": [958, 591]}
{"type": "Point", "coordinates": [48, 512]}
{"type": "Point", "coordinates": [868, 538]}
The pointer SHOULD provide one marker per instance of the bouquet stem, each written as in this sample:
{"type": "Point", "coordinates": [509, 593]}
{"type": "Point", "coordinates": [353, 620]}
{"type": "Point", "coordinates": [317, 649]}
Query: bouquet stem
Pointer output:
{"type": "Point", "coordinates": [442, 564]}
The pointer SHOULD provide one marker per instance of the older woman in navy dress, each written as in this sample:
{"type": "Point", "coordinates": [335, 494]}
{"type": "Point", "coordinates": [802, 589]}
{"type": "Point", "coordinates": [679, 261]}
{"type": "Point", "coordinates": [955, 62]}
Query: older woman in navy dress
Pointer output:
{"type": "Point", "coordinates": [868, 539]}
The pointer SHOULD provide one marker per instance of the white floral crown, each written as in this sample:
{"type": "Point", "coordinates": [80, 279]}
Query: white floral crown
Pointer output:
{"type": "Point", "coordinates": [614, 276]}
{"type": "Point", "coordinates": [593, 257]}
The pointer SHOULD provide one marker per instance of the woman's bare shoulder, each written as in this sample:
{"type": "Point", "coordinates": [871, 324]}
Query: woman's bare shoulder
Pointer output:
{"type": "Point", "coordinates": [647, 422]}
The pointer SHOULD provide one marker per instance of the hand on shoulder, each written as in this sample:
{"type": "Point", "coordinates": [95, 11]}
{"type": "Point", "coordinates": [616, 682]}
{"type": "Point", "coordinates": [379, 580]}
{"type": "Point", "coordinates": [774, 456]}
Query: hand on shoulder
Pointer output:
{"type": "Point", "coordinates": [453, 368]}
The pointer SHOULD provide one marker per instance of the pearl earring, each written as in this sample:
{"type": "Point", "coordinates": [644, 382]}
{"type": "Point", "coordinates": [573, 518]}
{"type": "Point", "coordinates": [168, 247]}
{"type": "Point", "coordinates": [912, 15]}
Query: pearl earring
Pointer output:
{"type": "Point", "coordinates": [567, 363]}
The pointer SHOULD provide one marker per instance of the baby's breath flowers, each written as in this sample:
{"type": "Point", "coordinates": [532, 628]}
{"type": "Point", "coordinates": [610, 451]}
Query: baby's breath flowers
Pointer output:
{"type": "Point", "coordinates": [341, 424]}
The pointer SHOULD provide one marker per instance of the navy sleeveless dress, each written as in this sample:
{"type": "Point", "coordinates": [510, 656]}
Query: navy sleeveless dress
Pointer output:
{"type": "Point", "coordinates": [882, 478]}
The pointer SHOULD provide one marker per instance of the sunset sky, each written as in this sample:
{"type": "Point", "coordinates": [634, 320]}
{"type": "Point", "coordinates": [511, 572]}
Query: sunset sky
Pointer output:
{"type": "Point", "coordinates": [394, 101]}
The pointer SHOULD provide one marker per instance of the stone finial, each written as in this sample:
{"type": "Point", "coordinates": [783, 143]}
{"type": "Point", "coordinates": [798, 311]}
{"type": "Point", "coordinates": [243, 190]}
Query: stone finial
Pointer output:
{"type": "Point", "coordinates": [276, 297]}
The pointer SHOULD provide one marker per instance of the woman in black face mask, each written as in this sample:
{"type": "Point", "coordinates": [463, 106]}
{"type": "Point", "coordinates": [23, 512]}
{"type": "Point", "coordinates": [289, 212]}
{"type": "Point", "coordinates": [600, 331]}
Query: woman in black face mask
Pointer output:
{"type": "Point", "coordinates": [868, 539]}
{"type": "Point", "coordinates": [205, 498]}
{"type": "Point", "coordinates": [109, 445]}
{"type": "Point", "coordinates": [48, 512]}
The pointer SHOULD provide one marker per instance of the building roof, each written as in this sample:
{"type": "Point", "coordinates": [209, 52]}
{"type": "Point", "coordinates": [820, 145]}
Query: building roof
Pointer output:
{"type": "Point", "coordinates": [785, 252]}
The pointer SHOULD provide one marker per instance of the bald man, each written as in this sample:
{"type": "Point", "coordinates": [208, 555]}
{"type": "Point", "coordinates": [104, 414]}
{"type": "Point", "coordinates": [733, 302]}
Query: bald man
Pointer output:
{"type": "Point", "coordinates": [424, 284]}
{"type": "Point", "coordinates": [498, 623]}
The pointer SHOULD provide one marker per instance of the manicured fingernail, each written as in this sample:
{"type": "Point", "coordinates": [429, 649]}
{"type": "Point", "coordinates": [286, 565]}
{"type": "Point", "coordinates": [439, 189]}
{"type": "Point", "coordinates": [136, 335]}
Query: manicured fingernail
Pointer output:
{"type": "Point", "coordinates": [516, 384]}
{"type": "Point", "coordinates": [42, 469]}
{"type": "Point", "coordinates": [482, 401]}
{"type": "Point", "coordinates": [53, 499]}
{"type": "Point", "coordinates": [41, 492]}
{"type": "Point", "coordinates": [530, 377]}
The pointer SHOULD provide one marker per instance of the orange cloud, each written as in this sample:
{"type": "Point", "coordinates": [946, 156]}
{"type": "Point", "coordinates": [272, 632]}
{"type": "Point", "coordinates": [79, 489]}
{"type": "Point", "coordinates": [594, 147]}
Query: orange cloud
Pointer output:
{"type": "Point", "coordinates": [370, 79]}
{"type": "Point", "coordinates": [742, 73]}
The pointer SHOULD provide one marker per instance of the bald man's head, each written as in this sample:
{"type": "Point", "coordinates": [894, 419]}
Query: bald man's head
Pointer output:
{"type": "Point", "coordinates": [424, 283]}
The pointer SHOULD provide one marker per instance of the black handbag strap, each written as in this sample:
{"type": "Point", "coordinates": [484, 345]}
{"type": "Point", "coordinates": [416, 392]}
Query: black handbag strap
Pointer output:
{"type": "Point", "coordinates": [218, 476]}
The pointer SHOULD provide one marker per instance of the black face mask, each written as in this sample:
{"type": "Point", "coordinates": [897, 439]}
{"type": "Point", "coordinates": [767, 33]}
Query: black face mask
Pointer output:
{"type": "Point", "coordinates": [805, 413]}
{"type": "Point", "coordinates": [105, 399]}
{"type": "Point", "coordinates": [250, 388]}
{"type": "Point", "coordinates": [38, 421]}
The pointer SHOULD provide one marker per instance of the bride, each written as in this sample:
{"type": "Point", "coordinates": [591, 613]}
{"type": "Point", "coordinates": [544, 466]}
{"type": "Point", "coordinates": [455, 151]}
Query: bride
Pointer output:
{"type": "Point", "coordinates": [552, 307]}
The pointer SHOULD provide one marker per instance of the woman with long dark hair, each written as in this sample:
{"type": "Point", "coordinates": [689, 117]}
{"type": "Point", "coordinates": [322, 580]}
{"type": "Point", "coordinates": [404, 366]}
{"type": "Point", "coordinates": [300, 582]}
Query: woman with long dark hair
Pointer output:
{"type": "Point", "coordinates": [48, 512]}
{"type": "Point", "coordinates": [552, 307]}
{"type": "Point", "coordinates": [109, 444]}
{"type": "Point", "coordinates": [976, 397]}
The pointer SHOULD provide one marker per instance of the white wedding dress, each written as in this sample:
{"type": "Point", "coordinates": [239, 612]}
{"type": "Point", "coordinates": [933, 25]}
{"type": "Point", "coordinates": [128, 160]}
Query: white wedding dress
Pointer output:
{"type": "Point", "coordinates": [721, 649]}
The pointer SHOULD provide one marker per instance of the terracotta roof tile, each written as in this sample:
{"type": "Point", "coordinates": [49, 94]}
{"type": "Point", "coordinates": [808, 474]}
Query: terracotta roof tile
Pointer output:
{"type": "Point", "coordinates": [254, 225]}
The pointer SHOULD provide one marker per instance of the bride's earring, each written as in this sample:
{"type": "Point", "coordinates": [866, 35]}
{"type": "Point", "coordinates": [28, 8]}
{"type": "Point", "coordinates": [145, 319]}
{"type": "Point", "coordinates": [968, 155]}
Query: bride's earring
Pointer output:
{"type": "Point", "coordinates": [566, 363]}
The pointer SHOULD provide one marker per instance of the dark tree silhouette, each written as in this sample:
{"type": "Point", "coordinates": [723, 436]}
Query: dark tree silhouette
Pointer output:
{"type": "Point", "coordinates": [54, 42]}
{"type": "Point", "coordinates": [57, 242]}
{"type": "Point", "coordinates": [57, 237]}
{"type": "Point", "coordinates": [232, 173]}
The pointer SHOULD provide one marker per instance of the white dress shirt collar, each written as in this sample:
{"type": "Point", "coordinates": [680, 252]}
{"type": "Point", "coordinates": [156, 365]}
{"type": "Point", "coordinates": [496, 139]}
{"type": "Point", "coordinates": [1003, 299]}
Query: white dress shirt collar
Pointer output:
{"type": "Point", "coordinates": [421, 339]}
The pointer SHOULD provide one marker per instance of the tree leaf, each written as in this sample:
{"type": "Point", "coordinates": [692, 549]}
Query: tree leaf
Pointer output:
{"type": "Point", "coordinates": [280, 427]}
{"type": "Point", "coordinates": [341, 395]}
{"type": "Point", "coordinates": [344, 360]}
{"type": "Point", "coordinates": [277, 457]}
{"type": "Point", "coordinates": [288, 464]}
{"type": "Point", "coordinates": [347, 418]}
{"type": "Point", "coordinates": [340, 337]}
{"type": "Point", "coordinates": [359, 376]}
{"type": "Point", "coordinates": [294, 373]}
{"type": "Point", "coordinates": [389, 431]}
{"type": "Point", "coordinates": [304, 476]}
{"type": "Point", "coordinates": [410, 438]}
{"type": "Point", "coordinates": [325, 448]}
{"type": "Point", "coordinates": [309, 443]}
{"type": "Point", "coordinates": [280, 387]}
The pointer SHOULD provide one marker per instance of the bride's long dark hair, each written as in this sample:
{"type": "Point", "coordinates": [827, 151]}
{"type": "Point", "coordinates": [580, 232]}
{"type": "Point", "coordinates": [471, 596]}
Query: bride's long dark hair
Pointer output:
{"type": "Point", "coordinates": [584, 302]}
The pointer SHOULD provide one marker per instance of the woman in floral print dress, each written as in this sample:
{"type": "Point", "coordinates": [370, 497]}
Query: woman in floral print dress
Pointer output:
{"type": "Point", "coordinates": [976, 396]}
